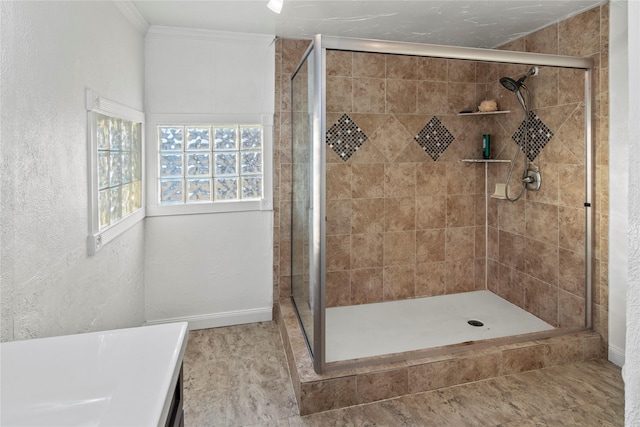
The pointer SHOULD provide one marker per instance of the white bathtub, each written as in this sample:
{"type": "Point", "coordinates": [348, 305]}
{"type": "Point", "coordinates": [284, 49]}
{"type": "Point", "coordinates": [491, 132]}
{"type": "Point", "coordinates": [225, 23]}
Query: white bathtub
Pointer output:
{"type": "Point", "coordinates": [122, 377]}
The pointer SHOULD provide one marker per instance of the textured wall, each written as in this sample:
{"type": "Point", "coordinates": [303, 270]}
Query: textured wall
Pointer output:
{"type": "Point", "coordinates": [632, 363]}
{"type": "Point", "coordinates": [52, 52]}
{"type": "Point", "coordinates": [620, 151]}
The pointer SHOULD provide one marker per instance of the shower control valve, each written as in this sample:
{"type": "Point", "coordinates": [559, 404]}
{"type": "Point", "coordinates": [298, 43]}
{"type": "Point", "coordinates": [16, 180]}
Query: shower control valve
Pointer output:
{"type": "Point", "coordinates": [532, 179]}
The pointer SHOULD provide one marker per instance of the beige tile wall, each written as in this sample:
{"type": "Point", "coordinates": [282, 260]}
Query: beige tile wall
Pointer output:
{"type": "Point", "coordinates": [549, 225]}
{"type": "Point", "coordinates": [401, 225]}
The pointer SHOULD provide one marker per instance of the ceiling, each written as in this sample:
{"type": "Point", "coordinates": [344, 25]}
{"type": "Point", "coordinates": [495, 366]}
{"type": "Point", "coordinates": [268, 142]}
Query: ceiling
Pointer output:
{"type": "Point", "coordinates": [471, 23]}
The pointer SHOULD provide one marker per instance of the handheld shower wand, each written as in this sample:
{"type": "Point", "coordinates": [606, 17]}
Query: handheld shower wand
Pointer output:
{"type": "Point", "coordinates": [515, 85]}
{"type": "Point", "coordinates": [531, 178]}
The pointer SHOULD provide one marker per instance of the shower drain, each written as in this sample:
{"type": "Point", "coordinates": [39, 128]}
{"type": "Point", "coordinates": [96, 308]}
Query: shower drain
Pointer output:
{"type": "Point", "coordinates": [475, 323]}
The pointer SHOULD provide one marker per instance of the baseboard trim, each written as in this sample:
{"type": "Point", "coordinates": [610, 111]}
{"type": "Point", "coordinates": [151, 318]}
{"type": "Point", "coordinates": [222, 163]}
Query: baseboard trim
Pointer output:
{"type": "Point", "coordinates": [616, 356]}
{"type": "Point", "coordinates": [217, 320]}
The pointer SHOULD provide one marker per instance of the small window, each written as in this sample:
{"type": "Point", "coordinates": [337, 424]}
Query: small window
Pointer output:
{"type": "Point", "coordinates": [217, 163]}
{"type": "Point", "coordinates": [115, 169]}
{"type": "Point", "coordinates": [119, 168]}
{"type": "Point", "coordinates": [208, 163]}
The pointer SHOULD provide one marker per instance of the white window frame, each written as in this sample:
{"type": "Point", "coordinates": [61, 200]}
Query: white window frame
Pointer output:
{"type": "Point", "coordinates": [154, 208]}
{"type": "Point", "coordinates": [96, 104]}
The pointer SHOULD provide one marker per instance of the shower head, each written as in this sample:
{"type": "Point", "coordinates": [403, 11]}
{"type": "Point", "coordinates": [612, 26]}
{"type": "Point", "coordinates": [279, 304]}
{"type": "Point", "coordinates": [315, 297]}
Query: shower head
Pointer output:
{"type": "Point", "coordinates": [514, 86]}
{"type": "Point", "coordinates": [510, 84]}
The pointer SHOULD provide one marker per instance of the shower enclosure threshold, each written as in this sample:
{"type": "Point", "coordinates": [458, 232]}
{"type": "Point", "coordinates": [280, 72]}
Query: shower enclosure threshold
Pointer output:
{"type": "Point", "coordinates": [369, 330]}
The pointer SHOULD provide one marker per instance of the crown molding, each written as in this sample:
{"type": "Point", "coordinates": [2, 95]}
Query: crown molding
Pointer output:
{"type": "Point", "coordinates": [131, 12]}
{"type": "Point", "coordinates": [158, 31]}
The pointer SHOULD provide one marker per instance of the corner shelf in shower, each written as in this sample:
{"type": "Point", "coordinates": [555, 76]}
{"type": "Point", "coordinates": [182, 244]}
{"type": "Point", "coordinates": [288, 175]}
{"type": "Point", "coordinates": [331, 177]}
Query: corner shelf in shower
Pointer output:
{"type": "Point", "coordinates": [484, 113]}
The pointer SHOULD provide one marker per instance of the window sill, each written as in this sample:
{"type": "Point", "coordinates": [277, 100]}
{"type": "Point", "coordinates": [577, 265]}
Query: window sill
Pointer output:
{"type": "Point", "coordinates": [97, 240]}
{"type": "Point", "coordinates": [209, 208]}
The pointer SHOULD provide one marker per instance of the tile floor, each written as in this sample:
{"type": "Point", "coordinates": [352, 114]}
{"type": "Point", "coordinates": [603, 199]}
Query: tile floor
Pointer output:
{"type": "Point", "coordinates": [237, 376]}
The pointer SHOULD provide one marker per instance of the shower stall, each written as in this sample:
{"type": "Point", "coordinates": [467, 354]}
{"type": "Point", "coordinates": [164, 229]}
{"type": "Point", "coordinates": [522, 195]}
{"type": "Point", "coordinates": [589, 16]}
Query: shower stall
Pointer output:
{"type": "Point", "coordinates": [399, 245]}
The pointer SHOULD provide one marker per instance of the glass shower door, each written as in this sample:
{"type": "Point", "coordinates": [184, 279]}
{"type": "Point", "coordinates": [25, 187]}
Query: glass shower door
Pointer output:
{"type": "Point", "coordinates": [301, 201]}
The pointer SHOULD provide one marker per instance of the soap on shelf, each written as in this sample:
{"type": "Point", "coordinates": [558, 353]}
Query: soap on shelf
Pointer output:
{"type": "Point", "coordinates": [500, 191]}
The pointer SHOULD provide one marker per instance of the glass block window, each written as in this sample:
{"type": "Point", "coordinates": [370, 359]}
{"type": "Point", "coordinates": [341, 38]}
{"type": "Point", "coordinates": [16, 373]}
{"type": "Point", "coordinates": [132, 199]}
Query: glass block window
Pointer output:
{"type": "Point", "coordinates": [115, 135]}
{"type": "Point", "coordinates": [119, 150]}
{"type": "Point", "coordinates": [209, 163]}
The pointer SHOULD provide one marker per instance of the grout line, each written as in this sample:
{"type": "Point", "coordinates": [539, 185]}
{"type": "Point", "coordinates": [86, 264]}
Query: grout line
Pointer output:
{"type": "Point", "coordinates": [486, 226]}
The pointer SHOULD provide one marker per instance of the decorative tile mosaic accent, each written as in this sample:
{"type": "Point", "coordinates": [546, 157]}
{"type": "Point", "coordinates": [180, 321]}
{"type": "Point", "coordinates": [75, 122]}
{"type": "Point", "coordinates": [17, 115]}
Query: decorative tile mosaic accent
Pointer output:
{"type": "Point", "coordinates": [434, 138]}
{"type": "Point", "coordinates": [539, 135]}
{"type": "Point", "coordinates": [345, 137]}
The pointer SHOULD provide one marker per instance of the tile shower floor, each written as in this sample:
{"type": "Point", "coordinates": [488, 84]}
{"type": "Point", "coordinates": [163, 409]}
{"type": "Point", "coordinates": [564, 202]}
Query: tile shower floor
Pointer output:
{"type": "Point", "coordinates": [397, 326]}
{"type": "Point", "coordinates": [237, 376]}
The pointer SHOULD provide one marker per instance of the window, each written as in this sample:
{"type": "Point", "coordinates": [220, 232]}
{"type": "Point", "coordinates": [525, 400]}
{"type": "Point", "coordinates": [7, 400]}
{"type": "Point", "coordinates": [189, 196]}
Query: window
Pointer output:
{"type": "Point", "coordinates": [119, 169]}
{"type": "Point", "coordinates": [208, 163]}
{"type": "Point", "coordinates": [115, 169]}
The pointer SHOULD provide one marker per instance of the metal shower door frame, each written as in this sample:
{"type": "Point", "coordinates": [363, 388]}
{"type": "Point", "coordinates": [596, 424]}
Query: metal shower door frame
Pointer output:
{"type": "Point", "coordinates": [320, 45]}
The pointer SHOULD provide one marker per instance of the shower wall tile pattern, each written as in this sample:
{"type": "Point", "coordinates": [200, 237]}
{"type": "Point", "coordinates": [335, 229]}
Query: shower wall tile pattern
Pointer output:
{"type": "Point", "coordinates": [434, 138]}
{"type": "Point", "coordinates": [548, 225]}
{"type": "Point", "coordinates": [393, 221]}
{"type": "Point", "coordinates": [537, 132]}
{"type": "Point", "coordinates": [345, 137]}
